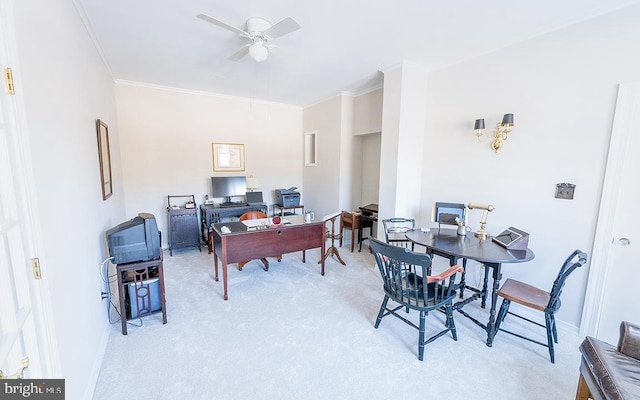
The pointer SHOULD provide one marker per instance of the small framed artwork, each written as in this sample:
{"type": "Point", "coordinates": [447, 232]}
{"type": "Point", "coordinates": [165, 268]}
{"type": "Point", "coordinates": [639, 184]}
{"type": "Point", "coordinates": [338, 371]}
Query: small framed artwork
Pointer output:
{"type": "Point", "coordinates": [228, 157]}
{"type": "Point", "coordinates": [104, 156]}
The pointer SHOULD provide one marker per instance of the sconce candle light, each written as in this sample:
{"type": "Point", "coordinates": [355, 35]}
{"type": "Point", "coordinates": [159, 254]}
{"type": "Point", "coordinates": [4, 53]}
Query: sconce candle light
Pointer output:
{"type": "Point", "coordinates": [499, 135]}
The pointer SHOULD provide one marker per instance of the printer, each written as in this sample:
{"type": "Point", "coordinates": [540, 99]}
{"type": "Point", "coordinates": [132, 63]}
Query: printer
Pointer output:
{"type": "Point", "coordinates": [287, 197]}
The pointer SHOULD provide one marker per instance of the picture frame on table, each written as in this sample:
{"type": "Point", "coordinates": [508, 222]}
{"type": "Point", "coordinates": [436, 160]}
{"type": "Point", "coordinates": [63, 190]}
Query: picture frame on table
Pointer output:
{"type": "Point", "coordinates": [228, 157]}
{"type": "Point", "coordinates": [104, 157]}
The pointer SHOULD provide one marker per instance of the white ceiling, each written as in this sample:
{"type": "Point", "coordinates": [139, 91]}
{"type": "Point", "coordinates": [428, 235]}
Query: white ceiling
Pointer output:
{"type": "Point", "coordinates": [341, 47]}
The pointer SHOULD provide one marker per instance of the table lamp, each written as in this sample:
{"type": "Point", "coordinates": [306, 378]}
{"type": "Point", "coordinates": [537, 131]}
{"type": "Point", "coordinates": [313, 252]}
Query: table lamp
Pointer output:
{"type": "Point", "coordinates": [252, 183]}
{"type": "Point", "coordinates": [481, 233]}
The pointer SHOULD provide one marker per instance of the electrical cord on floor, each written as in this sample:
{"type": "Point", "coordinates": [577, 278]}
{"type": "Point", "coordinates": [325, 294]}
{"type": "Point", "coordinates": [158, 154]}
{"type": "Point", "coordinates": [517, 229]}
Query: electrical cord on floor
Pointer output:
{"type": "Point", "coordinates": [108, 295]}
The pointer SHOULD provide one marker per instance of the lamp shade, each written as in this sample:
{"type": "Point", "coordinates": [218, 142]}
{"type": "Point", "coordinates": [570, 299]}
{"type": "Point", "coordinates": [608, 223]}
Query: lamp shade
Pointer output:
{"type": "Point", "coordinates": [479, 124]}
{"type": "Point", "coordinates": [507, 119]}
{"type": "Point", "coordinates": [258, 52]}
{"type": "Point", "coordinates": [253, 182]}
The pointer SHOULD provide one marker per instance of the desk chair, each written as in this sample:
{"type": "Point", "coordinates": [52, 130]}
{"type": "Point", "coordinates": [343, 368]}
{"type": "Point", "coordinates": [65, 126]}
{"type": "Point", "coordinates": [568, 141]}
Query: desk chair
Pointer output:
{"type": "Point", "coordinates": [537, 299]}
{"type": "Point", "coordinates": [406, 282]}
{"type": "Point", "coordinates": [351, 221]}
{"type": "Point", "coordinates": [255, 215]}
{"type": "Point", "coordinates": [395, 230]}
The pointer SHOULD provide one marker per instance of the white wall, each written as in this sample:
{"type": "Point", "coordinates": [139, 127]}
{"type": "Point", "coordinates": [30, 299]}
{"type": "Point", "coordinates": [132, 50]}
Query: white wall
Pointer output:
{"type": "Point", "coordinates": [368, 112]}
{"type": "Point", "coordinates": [370, 168]}
{"type": "Point", "coordinates": [166, 138]}
{"type": "Point", "coordinates": [66, 88]}
{"type": "Point", "coordinates": [322, 182]}
{"type": "Point", "coordinates": [368, 128]}
{"type": "Point", "coordinates": [403, 129]}
{"type": "Point", "coordinates": [561, 88]}
{"type": "Point", "coordinates": [344, 169]}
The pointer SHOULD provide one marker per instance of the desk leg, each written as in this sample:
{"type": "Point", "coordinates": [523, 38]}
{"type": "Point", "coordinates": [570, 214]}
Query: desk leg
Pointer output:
{"type": "Point", "coordinates": [322, 249]}
{"type": "Point", "coordinates": [491, 326]}
{"type": "Point", "coordinates": [224, 278]}
{"type": "Point", "coordinates": [215, 265]}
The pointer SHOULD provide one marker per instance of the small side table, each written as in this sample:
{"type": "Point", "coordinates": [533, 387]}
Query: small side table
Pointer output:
{"type": "Point", "coordinates": [283, 209]}
{"type": "Point", "coordinates": [333, 236]}
{"type": "Point", "coordinates": [139, 274]}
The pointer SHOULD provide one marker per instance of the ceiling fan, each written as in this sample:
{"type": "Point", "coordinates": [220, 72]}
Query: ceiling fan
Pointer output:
{"type": "Point", "coordinates": [260, 32]}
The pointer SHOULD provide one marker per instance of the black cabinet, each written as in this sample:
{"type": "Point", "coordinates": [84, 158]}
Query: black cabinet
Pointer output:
{"type": "Point", "coordinates": [183, 222]}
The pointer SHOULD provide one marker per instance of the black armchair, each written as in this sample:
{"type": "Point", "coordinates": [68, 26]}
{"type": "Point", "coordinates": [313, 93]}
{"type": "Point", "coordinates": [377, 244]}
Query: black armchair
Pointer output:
{"type": "Point", "coordinates": [407, 281]}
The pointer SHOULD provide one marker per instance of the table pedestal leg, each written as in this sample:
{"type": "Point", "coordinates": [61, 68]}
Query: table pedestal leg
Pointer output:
{"type": "Point", "coordinates": [491, 326]}
{"type": "Point", "coordinates": [332, 249]}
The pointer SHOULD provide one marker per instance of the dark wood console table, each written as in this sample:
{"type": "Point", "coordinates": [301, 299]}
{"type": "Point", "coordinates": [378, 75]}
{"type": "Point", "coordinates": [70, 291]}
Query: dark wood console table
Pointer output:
{"type": "Point", "coordinates": [214, 213]}
{"type": "Point", "coordinates": [142, 275]}
{"type": "Point", "coordinates": [243, 243]}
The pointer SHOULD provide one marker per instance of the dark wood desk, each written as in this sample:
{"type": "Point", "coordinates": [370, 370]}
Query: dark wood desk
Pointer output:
{"type": "Point", "coordinates": [368, 215]}
{"type": "Point", "coordinates": [214, 213]}
{"type": "Point", "coordinates": [243, 243]}
{"type": "Point", "coordinates": [447, 243]}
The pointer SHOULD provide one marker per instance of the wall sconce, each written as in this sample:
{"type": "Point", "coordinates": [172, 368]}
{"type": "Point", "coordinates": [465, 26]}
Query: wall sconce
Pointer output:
{"type": "Point", "coordinates": [499, 135]}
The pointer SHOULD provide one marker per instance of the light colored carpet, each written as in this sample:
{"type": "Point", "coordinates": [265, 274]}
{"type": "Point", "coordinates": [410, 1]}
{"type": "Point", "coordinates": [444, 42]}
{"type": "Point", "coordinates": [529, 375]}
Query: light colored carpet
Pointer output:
{"type": "Point", "coordinates": [291, 333]}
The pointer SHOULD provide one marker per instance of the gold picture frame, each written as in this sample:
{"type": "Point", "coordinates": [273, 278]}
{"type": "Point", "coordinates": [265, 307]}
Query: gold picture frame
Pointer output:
{"type": "Point", "coordinates": [228, 157]}
{"type": "Point", "coordinates": [104, 155]}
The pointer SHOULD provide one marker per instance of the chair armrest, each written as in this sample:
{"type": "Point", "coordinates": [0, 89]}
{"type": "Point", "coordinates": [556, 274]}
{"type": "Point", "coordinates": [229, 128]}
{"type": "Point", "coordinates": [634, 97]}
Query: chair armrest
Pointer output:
{"type": "Point", "coordinates": [445, 274]}
{"type": "Point", "coordinates": [629, 342]}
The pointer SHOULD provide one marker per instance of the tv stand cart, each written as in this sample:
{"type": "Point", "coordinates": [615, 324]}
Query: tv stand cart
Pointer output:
{"type": "Point", "coordinates": [140, 275]}
{"type": "Point", "coordinates": [183, 222]}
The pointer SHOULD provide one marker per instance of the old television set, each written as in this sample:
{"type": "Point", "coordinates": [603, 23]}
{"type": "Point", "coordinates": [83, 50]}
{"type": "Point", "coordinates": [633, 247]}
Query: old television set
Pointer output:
{"type": "Point", "coordinates": [228, 187]}
{"type": "Point", "coordinates": [135, 240]}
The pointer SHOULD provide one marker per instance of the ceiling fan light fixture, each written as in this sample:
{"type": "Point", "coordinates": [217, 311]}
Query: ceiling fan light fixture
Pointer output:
{"type": "Point", "coordinates": [258, 52]}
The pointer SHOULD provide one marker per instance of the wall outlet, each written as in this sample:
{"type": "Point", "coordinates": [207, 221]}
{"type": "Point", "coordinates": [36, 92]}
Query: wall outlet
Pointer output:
{"type": "Point", "coordinates": [565, 191]}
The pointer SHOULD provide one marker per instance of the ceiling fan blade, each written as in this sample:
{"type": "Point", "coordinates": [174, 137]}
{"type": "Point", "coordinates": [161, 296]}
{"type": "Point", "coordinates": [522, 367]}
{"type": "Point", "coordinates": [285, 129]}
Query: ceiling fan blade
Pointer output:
{"type": "Point", "coordinates": [244, 50]}
{"type": "Point", "coordinates": [223, 25]}
{"type": "Point", "coordinates": [283, 27]}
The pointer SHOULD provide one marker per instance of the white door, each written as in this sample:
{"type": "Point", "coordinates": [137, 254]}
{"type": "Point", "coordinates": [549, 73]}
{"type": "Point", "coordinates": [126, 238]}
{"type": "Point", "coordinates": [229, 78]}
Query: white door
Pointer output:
{"type": "Point", "coordinates": [24, 328]}
{"type": "Point", "coordinates": [616, 257]}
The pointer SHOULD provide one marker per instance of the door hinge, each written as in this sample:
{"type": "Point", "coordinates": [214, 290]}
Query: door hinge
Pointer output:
{"type": "Point", "coordinates": [8, 80]}
{"type": "Point", "coordinates": [35, 263]}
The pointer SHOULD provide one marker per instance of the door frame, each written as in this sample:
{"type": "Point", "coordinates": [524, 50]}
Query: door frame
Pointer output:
{"type": "Point", "coordinates": [627, 106]}
{"type": "Point", "coordinates": [39, 291]}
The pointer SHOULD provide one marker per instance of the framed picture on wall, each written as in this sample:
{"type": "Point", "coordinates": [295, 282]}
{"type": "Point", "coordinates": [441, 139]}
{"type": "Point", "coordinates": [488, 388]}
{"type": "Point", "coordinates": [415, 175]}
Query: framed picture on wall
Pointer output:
{"type": "Point", "coordinates": [228, 157]}
{"type": "Point", "coordinates": [104, 156]}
